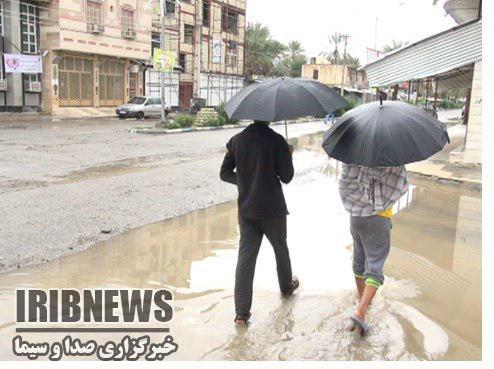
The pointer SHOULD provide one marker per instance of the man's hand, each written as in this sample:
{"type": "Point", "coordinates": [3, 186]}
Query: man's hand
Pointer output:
{"type": "Point", "coordinates": [290, 148]}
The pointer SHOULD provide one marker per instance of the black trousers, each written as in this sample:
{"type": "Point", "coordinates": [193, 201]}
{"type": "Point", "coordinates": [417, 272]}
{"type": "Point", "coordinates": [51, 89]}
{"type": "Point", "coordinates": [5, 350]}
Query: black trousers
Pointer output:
{"type": "Point", "coordinates": [251, 234]}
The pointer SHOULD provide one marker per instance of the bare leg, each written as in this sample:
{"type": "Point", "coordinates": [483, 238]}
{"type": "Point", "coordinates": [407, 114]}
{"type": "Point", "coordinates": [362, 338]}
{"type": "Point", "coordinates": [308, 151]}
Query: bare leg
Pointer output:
{"type": "Point", "coordinates": [360, 283]}
{"type": "Point", "coordinates": [365, 301]}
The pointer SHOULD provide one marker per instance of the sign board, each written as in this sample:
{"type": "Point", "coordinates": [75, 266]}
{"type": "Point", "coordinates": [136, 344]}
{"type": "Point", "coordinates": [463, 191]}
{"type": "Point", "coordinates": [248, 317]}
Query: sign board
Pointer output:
{"type": "Point", "coordinates": [217, 45]}
{"type": "Point", "coordinates": [21, 63]}
{"type": "Point", "coordinates": [164, 60]}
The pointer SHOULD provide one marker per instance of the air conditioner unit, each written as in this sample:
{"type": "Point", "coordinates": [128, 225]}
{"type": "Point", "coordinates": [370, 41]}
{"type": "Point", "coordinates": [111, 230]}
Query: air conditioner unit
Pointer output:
{"type": "Point", "coordinates": [3, 85]}
{"type": "Point", "coordinates": [95, 28]}
{"type": "Point", "coordinates": [33, 86]}
{"type": "Point", "coordinates": [129, 33]}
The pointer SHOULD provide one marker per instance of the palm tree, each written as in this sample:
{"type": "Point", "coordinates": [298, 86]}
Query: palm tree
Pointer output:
{"type": "Point", "coordinates": [393, 46]}
{"type": "Point", "coordinates": [352, 61]}
{"type": "Point", "coordinates": [261, 51]}
{"type": "Point", "coordinates": [334, 56]}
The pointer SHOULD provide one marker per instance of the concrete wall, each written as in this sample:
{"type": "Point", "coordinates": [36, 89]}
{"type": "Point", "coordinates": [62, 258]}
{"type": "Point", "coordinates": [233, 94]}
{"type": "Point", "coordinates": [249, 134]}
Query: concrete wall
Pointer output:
{"type": "Point", "coordinates": [473, 144]}
{"type": "Point", "coordinates": [335, 74]}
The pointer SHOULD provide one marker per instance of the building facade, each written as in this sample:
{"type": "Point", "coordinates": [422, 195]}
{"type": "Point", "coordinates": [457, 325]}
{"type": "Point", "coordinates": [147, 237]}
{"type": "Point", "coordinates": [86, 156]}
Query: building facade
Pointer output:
{"type": "Point", "coordinates": [335, 75]}
{"type": "Point", "coordinates": [208, 38]}
{"type": "Point", "coordinates": [448, 61]}
{"type": "Point", "coordinates": [94, 52]}
{"type": "Point", "coordinates": [19, 34]}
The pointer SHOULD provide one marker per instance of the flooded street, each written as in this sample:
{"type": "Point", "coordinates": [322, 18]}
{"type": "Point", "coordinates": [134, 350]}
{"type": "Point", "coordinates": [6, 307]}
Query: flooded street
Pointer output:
{"type": "Point", "coordinates": [429, 308]}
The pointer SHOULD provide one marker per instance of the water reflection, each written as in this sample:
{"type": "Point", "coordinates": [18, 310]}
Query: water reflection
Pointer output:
{"type": "Point", "coordinates": [429, 308]}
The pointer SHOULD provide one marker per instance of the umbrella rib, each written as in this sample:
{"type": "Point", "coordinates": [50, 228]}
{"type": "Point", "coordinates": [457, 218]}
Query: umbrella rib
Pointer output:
{"type": "Point", "coordinates": [275, 115]}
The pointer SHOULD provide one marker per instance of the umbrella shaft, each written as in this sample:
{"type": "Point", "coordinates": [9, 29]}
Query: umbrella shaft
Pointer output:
{"type": "Point", "coordinates": [286, 130]}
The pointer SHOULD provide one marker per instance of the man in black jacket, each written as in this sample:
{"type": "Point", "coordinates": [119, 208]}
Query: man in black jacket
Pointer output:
{"type": "Point", "coordinates": [256, 160]}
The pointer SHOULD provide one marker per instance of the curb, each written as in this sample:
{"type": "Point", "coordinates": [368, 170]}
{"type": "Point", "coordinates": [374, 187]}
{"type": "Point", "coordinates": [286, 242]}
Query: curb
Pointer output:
{"type": "Point", "coordinates": [454, 182]}
{"type": "Point", "coordinates": [151, 130]}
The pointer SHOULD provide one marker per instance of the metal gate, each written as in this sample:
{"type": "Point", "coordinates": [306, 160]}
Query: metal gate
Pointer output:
{"type": "Point", "coordinates": [111, 83]}
{"type": "Point", "coordinates": [76, 81]}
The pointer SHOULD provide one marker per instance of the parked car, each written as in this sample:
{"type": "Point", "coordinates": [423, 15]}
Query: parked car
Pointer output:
{"type": "Point", "coordinates": [141, 107]}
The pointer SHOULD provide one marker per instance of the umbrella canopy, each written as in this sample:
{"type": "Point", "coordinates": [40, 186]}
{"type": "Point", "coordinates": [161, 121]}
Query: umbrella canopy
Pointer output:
{"type": "Point", "coordinates": [283, 99]}
{"type": "Point", "coordinates": [386, 133]}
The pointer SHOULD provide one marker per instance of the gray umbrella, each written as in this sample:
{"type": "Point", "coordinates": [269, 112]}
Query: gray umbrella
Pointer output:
{"type": "Point", "coordinates": [381, 134]}
{"type": "Point", "coordinates": [283, 99]}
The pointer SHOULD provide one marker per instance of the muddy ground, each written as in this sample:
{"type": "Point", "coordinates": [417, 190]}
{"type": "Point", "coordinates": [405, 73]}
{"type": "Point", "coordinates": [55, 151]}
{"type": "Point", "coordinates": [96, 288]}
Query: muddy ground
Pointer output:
{"type": "Point", "coordinates": [65, 185]}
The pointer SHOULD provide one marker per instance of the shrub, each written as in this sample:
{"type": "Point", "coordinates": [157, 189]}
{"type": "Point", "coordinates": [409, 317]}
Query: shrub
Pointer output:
{"type": "Point", "coordinates": [173, 125]}
{"type": "Point", "coordinates": [213, 122]}
{"type": "Point", "coordinates": [449, 104]}
{"type": "Point", "coordinates": [223, 117]}
{"type": "Point", "coordinates": [184, 120]}
{"type": "Point", "coordinates": [352, 103]}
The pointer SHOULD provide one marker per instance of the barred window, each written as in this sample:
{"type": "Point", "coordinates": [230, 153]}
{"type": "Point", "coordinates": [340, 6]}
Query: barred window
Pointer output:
{"type": "Point", "coordinates": [94, 11]}
{"type": "Point", "coordinates": [206, 13]}
{"type": "Point", "coordinates": [29, 28]}
{"type": "Point", "coordinates": [229, 20]}
{"type": "Point", "coordinates": [155, 41]}
{"type": "Point", "coordinates": [231, 54]}
{"type": "Point", "coordinates": [188, 34]}
{"type": "Point", "coordinates": [29, 78]}
{"type": "Point", "coordinates": [127, 19]}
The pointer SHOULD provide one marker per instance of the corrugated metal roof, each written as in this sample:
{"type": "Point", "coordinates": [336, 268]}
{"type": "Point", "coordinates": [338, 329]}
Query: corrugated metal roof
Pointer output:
{"type": "Point", "coordinates": [446, 51]}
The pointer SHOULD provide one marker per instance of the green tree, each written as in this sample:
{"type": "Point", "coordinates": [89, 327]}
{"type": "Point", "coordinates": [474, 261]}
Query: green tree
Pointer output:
{"type": "Point", "coordinates": [262, 52]}
{"type": "Point", "coordinates": [352, 60]}
{"type": "Point", "coordinates": [334, 55]}
{"type": "Point", "coordinates": [393, 46]}
{"type": "Point", "coordinates": [290, 64]}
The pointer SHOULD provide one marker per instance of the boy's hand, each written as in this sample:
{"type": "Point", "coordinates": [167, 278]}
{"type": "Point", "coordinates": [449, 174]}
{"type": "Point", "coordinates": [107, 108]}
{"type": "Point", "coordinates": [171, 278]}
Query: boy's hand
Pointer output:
{"type": "Point", "coordinates": [290, 148]}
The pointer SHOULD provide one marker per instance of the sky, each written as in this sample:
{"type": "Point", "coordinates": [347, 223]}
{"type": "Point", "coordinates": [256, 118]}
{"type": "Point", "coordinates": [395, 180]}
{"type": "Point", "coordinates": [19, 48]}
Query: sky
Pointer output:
{"type": "Point", "coordinates": [312, 21]}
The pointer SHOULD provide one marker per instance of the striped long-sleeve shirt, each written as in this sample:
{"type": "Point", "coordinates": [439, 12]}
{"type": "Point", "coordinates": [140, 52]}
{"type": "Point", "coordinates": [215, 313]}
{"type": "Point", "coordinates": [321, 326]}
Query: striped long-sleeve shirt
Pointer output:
{"type": "Point", "coordinates": [368, 191]}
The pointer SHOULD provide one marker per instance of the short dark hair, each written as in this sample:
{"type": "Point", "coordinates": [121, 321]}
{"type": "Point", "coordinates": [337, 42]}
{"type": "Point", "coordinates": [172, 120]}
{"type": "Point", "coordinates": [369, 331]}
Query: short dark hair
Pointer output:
{"type": "Point", "coordinates": [260, 121]}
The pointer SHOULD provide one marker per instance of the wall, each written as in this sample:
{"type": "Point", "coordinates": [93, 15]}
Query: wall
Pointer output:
{"type": "Point", "coordinates": [473, 144]}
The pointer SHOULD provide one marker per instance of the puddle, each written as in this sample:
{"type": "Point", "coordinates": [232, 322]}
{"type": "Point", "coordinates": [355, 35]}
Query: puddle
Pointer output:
{"type": "Point", "coordinates": [429, 308]}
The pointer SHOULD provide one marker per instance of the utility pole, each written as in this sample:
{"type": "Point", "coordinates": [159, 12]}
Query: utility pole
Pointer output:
{"type": "Point", "coordinates": [199, 20]}
{"type": "Point", "coordinates": [345, 37]}
{"type": "Point", "coordinates": [163, 46]}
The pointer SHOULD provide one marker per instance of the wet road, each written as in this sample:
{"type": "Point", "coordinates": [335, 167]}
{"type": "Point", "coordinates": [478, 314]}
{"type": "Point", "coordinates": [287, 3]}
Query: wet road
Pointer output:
{"type": "Point", "coordinates": [63, 183]}
{"type": "Point", "coordinates": [429, 308]}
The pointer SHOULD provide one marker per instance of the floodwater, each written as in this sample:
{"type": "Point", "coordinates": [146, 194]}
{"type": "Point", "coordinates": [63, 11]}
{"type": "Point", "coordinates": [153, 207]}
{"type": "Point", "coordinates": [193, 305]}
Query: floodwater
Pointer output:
{"type": "Point", "coordinates": [429, 307]}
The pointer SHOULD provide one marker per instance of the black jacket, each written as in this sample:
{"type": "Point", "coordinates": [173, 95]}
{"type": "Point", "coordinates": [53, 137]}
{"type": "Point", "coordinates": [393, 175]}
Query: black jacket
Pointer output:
{"type": "Point", "coordinates": [262, 158]}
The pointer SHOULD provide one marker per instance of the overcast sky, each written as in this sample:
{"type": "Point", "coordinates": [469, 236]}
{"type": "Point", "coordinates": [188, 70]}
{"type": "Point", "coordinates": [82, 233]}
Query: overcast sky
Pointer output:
{"type": "Point", "coordinates": [311, 21]}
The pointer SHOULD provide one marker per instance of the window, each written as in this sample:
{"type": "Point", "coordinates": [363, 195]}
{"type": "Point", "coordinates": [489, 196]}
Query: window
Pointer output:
{"type": "Point", "coordinates": [188, 34]}
{"type": "Point", "coordinates": [155, 41]}
{"type": "Point", "coordinates": [28, 79]}
{"type": "Point", "coordinates": [94, 12]}
{"type": "Point", "coordinates": [182, 61]}
{"type": "Point", "coordinates": [231, 54]}
{"type": "Point", "coordinates": [315, 74]}
{"type": "Point", "coordinates": [170, 7]}
{"type": "Point", "coordinates": [127, 19]}
{"type": "Point", "coordinates": [29, 28]}
{"type": "Point", "coordinates": [206, 13]}
{"type": "Point", "coordinates": [229, 20]}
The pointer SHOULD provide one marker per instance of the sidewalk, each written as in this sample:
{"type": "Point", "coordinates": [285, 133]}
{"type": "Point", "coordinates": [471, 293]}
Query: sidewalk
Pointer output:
{"type": "Point", "coordinates": [440, 169]}
{"type": "Point", "coordinates": [69, 113]}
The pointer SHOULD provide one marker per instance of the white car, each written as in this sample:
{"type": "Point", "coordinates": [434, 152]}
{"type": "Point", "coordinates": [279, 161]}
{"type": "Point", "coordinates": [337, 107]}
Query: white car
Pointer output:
{"type": "Point", "coordinates": [141, 107]}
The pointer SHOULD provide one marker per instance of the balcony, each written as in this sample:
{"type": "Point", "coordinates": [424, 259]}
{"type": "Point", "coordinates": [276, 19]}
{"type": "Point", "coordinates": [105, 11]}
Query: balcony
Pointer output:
{"type": "Point", "coordinates": [95, 28]}
{"type": "Point", "coordinates": [129, 33]}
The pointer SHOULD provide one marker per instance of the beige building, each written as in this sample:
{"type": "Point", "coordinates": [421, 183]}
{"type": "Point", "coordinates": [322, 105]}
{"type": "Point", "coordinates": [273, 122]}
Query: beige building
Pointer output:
{"type": "Point", "coordinates": [336, 75]}
{"type": "Point", "coordinates": [208, 37]}
{"type": "Point", "coordinates": [93, 51]}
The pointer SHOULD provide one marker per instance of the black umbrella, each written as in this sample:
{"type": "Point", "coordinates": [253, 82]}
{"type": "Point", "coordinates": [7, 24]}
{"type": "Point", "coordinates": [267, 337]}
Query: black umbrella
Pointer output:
{"type": "Point", "coordinates": [283, 99]}
{"type": "Point", "coordinates": [382, 134]}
